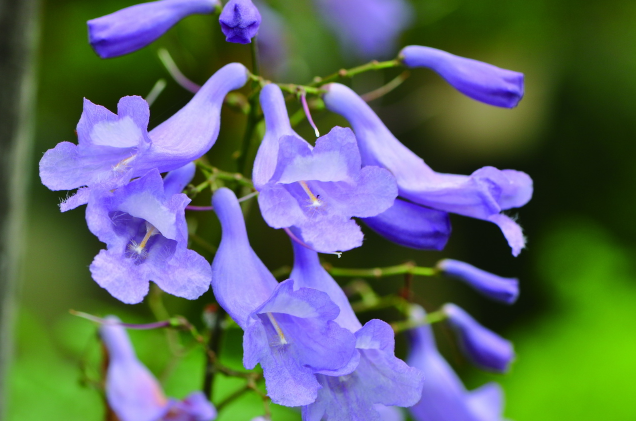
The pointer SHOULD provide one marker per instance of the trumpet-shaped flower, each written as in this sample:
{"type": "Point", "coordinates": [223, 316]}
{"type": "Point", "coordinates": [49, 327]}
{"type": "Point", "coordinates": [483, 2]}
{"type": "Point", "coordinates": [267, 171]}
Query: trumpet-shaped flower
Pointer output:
{"type": "Point", "coordinates": [113, 148]}
{"type": "Point", "coordinates": [134, 27]}
{"type": "Point", "coordinates": [132, 391]}
{"type": "Point", "coordinates": [316, 190]}
{"type": "Point", "coordinates": [484, 194]}
{"type": "Point", "coordinates": [505, 290]}
{"type": "Point", "coordinates": [240, 20]}
{"type": "Point", "coordinates": [366, 28]}
{"type": "Point", "coordinates": [380, 378]}
{"type": "Point", "coordinates": [444, 397]}
{"type": "Point", "coordinates": [478, 80]}
{"type": "Point", "coordinates": [483, 347]}
{"type": "Point", "coordinates": [143, 225]}
{"type": "Point", "coordinates": [291, 333]}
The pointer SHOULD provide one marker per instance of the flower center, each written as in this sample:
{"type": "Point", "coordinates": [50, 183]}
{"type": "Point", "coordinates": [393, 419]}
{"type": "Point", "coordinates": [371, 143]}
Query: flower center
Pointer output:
{"type": "Point", "coordinates": [138, 249]}
{"type": "Point", "coordinates": [315, 200]}
{"type": "Point", "coordinates": [277, 328]}
{"type": "Point", "coordinates": [122, 165]}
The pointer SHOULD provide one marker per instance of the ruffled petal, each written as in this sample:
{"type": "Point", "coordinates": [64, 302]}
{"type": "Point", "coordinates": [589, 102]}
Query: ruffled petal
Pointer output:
{"type": "Point", "coordinates": [122, 278]}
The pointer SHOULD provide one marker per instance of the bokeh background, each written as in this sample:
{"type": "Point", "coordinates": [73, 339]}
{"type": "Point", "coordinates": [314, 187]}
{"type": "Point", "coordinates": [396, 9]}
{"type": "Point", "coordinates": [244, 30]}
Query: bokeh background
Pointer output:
{"type": "Point", "coordinates": [574, 133]}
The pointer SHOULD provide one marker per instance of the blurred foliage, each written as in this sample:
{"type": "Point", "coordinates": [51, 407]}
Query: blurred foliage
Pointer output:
{"type": "Point", "coordinates": [573, 133]}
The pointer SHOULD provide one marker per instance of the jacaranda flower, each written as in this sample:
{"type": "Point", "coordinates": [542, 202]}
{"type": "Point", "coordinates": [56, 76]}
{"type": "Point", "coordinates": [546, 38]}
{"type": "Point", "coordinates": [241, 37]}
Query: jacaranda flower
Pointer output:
{"type": "Point", "coordinates": [240, 20]}
{"type": "Point", "coordinates": [113, 148]}
{"type": "Point", "coordinates": [411, 225]}
{"type": "Point", "coordinates": [277, 126]}
{"type": "Point", "coordinates": [482, 347]}
{"type": "Point", "coordinates": [316, 190]}
{"type": "Point", "coordinates": [134, 27]}
{"type": "Point", "coordinates": [291, 333]}
{"type": "Point", "coordinates": [366, 28]}
{"type": "Point", "coordinates": [144, 228]}
{"type": "Point", "coordinates": [444, 397]}
{"type": "Point", "coordinates": [505, 290]}
{"type": "Point", "coordinates": [379, 379]}
{"type": "Point", "coordinates": [475, 79]}
{"type": "Point", "coordinates": [484, 194]}
{"type": "Point", "coordinates": [132, 391]}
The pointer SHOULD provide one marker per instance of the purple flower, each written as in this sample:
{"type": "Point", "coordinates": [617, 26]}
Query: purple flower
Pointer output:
{"type": "Point", "coordinates": [134, 27]}
{"type": "Point", "coordinates": [240, 20]}
{"type": "Point", "coordinates": [411, 225]}
{"type": "Point", "coordinates": [379, 379]}
{"type": "Point", "coordinates": [483, 347]}
{"type": "Point", "coordinates": [475, 79]}
{"type": "Point", "coordinates": [132, 391]}
{"type": "Point", "coordinates": [484, 194]}
{"type": "Point", "coordinates": [316, 190]}
{"type": "Point", "coordinates": [505, 290]}
{"type": "Point", "coordinates": [113, 148]}
{"type": "Point", "coordinates": [291, 333]}
{"type": "Point", "coordinates": [367, 28]}
{"type": "Point", "coordinates": [277, 125]}
{"type": "Point", "coordinates": [444, 397]}
{"type": "Point", "coordinates": [143, 225]}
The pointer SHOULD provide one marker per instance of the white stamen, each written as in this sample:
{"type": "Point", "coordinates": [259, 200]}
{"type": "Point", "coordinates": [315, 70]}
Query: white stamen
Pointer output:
{"type": "Point", "coordinates": [277, 328]}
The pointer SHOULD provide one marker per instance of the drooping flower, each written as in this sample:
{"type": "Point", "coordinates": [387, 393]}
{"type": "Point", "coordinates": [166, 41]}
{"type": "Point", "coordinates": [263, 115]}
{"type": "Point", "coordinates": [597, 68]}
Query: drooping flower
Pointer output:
{"type": "Point", "coordinates": [484, 194]}
{"type": "Point", "coordinates": [478, 80]}
{"type": "Point", "coordinates": [143, 225]}
{"type": "Point", "coordinates": [113, 148]}
{"type": "Point", "coordinates": [132, 391]}
{"type": "Point", "coordinates": [134, 27]}
{"type": "Point", "coordinates": [444, 397]}
{"type": "Point", "coordinates": [482, 347]}
{"type": "Point", "coordinates": [240, 20]}
{"type": "Point", "coordinates": [505, 290]}
{"type": "Point", "coordinates": [411, 225]}
{"type": "Point", "coordinates": [316, 190]}
{"type": "Point", "coordinates": [291, 333]}
{"type": "Point", "coordinates": [380, 378]}
{"type": "Point", "coordinates": [366, 28]}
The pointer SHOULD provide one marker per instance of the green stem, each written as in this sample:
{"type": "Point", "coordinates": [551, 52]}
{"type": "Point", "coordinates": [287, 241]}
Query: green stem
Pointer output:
{"type": "Point", "coordinates": [406, 268]}
{"type": "Point", "coordinates": [344, 73]}
{"type": "Point", "coordinates": [434, 317]}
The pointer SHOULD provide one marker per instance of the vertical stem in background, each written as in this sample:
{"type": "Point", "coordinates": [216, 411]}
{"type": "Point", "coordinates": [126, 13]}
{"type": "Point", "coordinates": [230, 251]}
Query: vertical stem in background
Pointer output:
{"type": "Point", "coordinates": [18, 26]}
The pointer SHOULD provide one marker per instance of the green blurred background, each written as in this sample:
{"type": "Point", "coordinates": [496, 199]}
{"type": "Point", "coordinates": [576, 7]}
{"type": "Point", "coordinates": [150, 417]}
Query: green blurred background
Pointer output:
{"type": "Point", "coordinates": [573, 133]}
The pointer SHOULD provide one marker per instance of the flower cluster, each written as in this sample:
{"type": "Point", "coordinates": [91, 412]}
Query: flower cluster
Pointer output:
{"type": "Point", "coordinates": [313, 350]}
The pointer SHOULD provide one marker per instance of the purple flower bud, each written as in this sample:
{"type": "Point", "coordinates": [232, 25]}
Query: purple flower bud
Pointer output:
{"type": "Point", "coordinates": [132, 391]}
{"type": "Point", "coordinates": [240, 20]}
{"type": "Point", "coordinates": [505, 290]}
{"type": "Point", "coordinates": [411, 225]}
{"type": "Point", "coordinates": [366, 28]}
{"type": "Point", "coordinates": [146, 236]}
{"type": "Point", "coordinates": [483, 347]}
{"type": "Point", "coordinates": [444, 397]}
{"type": "Point", "coordinates": [484, 194]}
{"type": "Point", "coordinates": [475, 79]}
{"type": "Point", "coordinates": [134, 27]}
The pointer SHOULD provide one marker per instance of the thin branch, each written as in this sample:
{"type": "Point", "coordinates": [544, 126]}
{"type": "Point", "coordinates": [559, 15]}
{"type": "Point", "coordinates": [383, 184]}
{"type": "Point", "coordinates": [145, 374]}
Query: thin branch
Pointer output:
{"type": "Point", "coordinates": [434, 317]}
{"type": "Point", "coordinates": [402, 269]}
{"type": "Point", "coordinates": [383, 90]}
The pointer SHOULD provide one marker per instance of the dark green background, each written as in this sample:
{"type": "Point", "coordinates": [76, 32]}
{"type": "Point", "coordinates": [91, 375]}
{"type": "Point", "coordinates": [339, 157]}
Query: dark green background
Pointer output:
{"type": "Point", "coordinates": [573, 133]}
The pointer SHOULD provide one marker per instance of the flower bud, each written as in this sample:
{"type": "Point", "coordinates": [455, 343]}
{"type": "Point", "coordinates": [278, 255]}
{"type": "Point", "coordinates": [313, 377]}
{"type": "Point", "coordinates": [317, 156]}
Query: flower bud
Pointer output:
{"type": "Point", "coordinates": [478, 80]}
{"type": "Point", "coordinates": [481, 346]}
{"type": "Point", "coordinates": [505, 290]}
{"type": "Point", "coordinates": [240, 20]}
